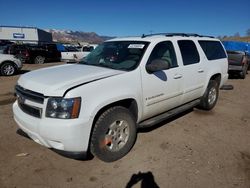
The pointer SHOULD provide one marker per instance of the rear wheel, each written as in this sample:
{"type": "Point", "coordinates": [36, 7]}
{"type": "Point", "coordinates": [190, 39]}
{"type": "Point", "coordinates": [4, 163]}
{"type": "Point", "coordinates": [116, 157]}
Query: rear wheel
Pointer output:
{"type": "Point", "coordinates": [243, 73]}
{"type": "Point", "coordinates": [114, 134]}
{"type": "Point", "coordinates": [210, 96]}
{"type": "Point", "coordinates": [39, 60]}
{"type": "Point", "coordinates": [8, 69]}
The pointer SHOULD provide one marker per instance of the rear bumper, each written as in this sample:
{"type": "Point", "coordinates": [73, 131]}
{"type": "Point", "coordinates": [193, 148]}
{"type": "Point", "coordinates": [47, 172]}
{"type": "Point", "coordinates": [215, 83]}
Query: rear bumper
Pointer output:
{"type": "Point", "coordinates": [235, 68]}
{"type": "Point", "coordinates": [19, 65]}
{"type": "Point", "coordinates": [223, 80]}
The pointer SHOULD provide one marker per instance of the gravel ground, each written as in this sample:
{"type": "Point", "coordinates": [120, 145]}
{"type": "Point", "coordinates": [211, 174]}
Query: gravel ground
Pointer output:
{"type": "Point", "coordinates": [194, 149]}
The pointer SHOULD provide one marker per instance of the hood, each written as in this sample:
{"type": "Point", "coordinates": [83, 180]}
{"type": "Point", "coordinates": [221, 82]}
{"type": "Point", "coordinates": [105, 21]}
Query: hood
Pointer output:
{"type": "Point", "coordinates": [54, 81]}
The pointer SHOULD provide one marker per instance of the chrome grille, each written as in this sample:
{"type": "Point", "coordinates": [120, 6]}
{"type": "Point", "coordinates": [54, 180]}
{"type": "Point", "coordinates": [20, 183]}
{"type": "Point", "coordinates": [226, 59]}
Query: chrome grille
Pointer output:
{"type": "Point", "coordinates": [33, 111]}
{"type": "Point", "coordinates": [31, 95]}
{"type": "Point", "coordinates": [23, 95]}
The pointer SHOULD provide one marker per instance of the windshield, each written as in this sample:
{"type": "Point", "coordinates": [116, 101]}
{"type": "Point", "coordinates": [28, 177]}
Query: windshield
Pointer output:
{"type": "Point", "coordinates": [120, 55]}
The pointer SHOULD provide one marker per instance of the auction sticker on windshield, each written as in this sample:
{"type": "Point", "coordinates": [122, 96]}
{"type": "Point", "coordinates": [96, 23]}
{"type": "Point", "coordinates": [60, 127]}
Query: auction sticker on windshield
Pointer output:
{"type": "Point", "coordinates": [140, 46]}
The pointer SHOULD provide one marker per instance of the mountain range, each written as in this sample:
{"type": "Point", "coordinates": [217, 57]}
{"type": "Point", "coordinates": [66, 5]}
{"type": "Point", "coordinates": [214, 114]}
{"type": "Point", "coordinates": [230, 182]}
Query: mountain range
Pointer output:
{"type": "Point", "coordinates": [77, 36]}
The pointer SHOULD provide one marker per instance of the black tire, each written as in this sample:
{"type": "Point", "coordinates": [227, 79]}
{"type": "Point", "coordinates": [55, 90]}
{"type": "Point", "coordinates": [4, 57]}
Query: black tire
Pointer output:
{"type": "Point", "coordinates": [243, 73]}
{"type": "Point", "coordinates": [210, 97]}
{"type": "Point", "coordinates": [39, 60]}
{"type": "Point", "coordinates": [114, 134]}
{"type": "Point", "coordinates": [8, 69]}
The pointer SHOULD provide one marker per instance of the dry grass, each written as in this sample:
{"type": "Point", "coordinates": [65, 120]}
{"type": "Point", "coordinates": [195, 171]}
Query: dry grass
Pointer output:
{"type": "Point", "coordinates": [243, 39]}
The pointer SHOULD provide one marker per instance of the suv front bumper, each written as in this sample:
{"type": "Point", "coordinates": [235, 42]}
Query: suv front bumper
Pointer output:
{"type": "Point", "coordinates": [64, 135]}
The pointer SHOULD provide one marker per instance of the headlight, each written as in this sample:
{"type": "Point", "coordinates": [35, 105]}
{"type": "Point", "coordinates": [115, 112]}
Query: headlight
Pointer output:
{"type": "Point", "coordinates": [62, 108]}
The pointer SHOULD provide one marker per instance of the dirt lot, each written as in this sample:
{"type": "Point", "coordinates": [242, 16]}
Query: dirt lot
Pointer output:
{"type": "Point", "coordinates": [196, 149]}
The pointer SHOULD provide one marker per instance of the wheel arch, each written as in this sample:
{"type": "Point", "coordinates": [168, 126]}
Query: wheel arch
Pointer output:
{"type": "Point", "coordinates": [212, 76]}
{"type": "Point", "coordinates": [8, 61]}
{"type": "Point", "coordinates": [216, 77]}
{"type": "Point", "coordinates": [128, 103]}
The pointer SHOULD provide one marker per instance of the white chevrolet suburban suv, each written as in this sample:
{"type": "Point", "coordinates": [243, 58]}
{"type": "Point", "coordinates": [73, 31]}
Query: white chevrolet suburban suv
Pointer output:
{"type": "Point", "coordinates": [98, 104]}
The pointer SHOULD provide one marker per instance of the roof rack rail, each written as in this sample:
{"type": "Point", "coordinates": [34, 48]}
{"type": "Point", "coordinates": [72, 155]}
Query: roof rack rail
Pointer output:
{"type": "Point", "coordinates": [176, 34]}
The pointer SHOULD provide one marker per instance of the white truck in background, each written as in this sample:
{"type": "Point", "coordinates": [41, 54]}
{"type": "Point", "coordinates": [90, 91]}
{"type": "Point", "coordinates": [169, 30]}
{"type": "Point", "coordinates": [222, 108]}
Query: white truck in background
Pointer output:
{"type": "Point", "coordinates": [72, 55]}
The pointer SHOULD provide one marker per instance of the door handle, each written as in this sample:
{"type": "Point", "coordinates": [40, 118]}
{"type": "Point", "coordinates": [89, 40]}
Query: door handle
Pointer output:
{"type": "Point", "coordinates": [200, 71]}
{"type": "Point", "coordinates": [177, 76]}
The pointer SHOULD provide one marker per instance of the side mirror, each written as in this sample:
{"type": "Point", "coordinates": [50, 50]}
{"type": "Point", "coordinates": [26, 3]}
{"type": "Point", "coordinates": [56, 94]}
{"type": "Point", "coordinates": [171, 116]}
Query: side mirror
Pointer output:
{"type": "Point", "coordinates": [157, 65]}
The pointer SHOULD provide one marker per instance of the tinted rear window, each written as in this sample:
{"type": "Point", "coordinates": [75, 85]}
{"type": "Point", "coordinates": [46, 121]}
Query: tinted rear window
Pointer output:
{"type": "Point", "coordinates": [212, 49]}
{"type": "Point", "coordinates": [189, 52]}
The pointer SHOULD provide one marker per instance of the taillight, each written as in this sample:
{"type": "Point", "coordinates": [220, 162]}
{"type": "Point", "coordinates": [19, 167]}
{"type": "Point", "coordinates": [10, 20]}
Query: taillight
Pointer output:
{"type": "Point", "coordinates": [26, 53]}
{"type": "Point", "coordinates": [244, 60]}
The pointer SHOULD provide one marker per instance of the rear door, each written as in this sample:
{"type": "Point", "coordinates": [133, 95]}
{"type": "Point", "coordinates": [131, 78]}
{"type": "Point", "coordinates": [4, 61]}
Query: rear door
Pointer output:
{"type": "Point", "coordinates": [194, 71]}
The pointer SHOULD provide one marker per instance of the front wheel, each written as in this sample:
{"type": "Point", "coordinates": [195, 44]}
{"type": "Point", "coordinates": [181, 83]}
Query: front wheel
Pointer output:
{"type": "Point", "coordinates": [114, 134]}
{"type": "Point", "coordinates": [210, 96]}
{"type": "Point", "coordinates": [8, 69]}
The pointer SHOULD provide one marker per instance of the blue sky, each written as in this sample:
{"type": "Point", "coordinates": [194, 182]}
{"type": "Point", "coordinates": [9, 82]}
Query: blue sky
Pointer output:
{"type": "Point", "coordinates": [130, 17]}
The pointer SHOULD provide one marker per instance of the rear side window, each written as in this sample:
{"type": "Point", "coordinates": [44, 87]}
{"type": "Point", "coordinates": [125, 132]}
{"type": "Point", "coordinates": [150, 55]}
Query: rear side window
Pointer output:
{"type": "Point", "coordinates": [189, 52]}
{"type": "Point", "coordinates": [212, 49]}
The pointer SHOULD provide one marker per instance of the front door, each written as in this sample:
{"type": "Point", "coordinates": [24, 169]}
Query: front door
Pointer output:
{"type": "Point", "coordinates": [162, 90]}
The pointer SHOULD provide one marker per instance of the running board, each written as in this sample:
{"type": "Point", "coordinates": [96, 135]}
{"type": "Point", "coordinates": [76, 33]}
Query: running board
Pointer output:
{"type": "Point", "coordinates": [157, 119]}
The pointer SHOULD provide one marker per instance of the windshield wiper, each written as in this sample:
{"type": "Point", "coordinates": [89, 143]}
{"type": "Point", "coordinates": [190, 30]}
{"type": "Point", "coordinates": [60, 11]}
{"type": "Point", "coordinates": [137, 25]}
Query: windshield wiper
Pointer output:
{"type": "Point", "coordinates": [83, 62]}
{"type": "Point", "coordinates": [97, 65]}
{"type": "Point", "coordinates": [105, 65]}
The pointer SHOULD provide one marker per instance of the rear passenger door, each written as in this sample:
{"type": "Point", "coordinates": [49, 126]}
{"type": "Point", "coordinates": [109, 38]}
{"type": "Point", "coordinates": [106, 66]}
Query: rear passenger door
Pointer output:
{"type": "Point", "coordinates": [193, 70]}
